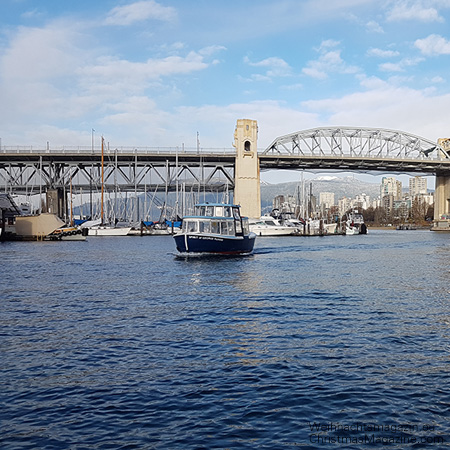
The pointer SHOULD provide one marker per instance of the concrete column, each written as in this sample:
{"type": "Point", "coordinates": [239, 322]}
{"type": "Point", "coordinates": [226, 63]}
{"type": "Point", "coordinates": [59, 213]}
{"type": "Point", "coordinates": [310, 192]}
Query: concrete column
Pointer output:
{"type": "Point", "coordinates": [442, 197]}
{"type": "Point", "coordinates": [247, 189]}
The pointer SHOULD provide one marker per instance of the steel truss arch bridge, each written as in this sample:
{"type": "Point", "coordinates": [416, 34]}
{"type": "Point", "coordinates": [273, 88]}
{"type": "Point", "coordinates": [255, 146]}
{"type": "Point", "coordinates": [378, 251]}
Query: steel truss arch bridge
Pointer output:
{"type": "Point", "coordinates": [359, 149]}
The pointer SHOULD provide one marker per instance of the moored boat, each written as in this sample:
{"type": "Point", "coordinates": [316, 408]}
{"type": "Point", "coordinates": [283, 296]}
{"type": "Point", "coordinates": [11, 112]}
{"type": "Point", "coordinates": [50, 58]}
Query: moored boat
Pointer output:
{"type": "Point", "coordinates": [215, 228]}
{"type": "Point", "coordinates": [269, 226]}
{"type": "Point", "coordinates": [108, 230]}
{"type": "Point", "coordinates": [355, 224]}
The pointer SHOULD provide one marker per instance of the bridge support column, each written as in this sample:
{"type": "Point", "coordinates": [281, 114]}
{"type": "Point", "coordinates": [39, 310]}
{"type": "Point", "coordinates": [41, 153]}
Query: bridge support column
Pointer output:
{"type": "Point", "coordinates": [442, 203]}
{"type": "Point", "coordinates": [247, 189]}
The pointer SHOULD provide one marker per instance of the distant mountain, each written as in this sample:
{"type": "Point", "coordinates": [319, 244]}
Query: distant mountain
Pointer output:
{"type": "Point", "coordinates": [341, 187]}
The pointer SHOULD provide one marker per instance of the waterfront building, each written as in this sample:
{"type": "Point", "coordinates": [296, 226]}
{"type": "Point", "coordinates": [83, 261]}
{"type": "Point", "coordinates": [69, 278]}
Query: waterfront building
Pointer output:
{"type": "Point", "coordinates": [402, 208]}
{"type": "Point", "coordinates": [278, 202]}
{"type": "Point", "coordinates": [362, 201]}
{"type": "Point", "coordinates": [417, 186]}
{"type": "Point", "coordinates": [344, 205]}
{"type": "Point", "coordinates": [326, 199]}
{"type": "Point", "coordinates": [387, 202]}
{"type": "Point", "coordinates": [284, 203]}
{"type": "Point", "coordinates": [427, 199]}
{"type": "Point", "coordinates": [391, 186]}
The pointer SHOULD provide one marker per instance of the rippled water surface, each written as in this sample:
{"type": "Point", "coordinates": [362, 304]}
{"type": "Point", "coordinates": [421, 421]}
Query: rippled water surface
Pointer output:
{"type": "Point", "coordinates": [333, 342]}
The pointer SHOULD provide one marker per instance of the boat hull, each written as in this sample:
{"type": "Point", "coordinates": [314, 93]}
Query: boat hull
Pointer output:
{"type": "Point", "coordinates": [109, 231]}
{"type": "Point", "coordinates": [273, 231]}
{"type": "Point", "coordinates": [207, 243]}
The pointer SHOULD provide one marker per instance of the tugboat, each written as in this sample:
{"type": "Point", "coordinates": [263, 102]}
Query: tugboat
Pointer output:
{"type": "Point", "coordinates": [215, 228]}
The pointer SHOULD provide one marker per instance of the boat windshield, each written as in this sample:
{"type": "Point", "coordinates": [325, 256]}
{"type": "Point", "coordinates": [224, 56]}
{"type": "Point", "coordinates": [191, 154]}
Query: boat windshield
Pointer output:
{"type": "Point", "coordinates": [245, 226]}
{"type": "Point", "coordinates": [190, 226]}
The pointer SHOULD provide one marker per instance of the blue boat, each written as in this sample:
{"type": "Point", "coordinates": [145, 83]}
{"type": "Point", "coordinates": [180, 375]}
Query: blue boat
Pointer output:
{"type": "Point", "coordinates": [215, 228]}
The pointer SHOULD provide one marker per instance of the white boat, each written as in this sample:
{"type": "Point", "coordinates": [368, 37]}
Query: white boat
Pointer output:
{"type": "Point", "coordinates": [355, 224]}
{"type": "Point", "coordinates": [268, 226]}
{"type": "Point", "coordinates": [96, 228]}
{"type": "Point", "coordinates": [330, 228]}
{"type": "Point", "coordinates": [108, 230]}
{"type": "Point", "coordinates": [350, 230]}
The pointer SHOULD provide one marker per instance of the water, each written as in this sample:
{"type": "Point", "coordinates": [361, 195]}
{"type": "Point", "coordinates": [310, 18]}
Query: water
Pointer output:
{"type": "Point", "coordinates": [116, 343]}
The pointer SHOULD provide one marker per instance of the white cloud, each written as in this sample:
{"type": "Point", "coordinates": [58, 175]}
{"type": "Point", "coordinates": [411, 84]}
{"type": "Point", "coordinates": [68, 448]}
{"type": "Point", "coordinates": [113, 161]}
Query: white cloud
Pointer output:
{"type": "Point", "coordinates": [382, 53]}
{"type": "Point", "coordinates": [401, 65]}
{"type": "Point", "coordinates": [276, 67]}
{"type": "Point", "coordinates": [329, 61]}
{"type": "Point", "coordinates": [412, 10]}
{"type": "Point", "coordinates": [433, 45]}
{"type": "Point", "coordinates": [326, 44]}
{"type": "Point", "coordinates": [138, 12]}
{"type": "Point", "coordinates": [114, 69]}
{"type": "Point", "coordinates": [374, 27]}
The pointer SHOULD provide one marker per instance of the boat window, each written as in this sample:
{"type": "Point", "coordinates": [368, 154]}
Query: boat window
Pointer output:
{"type": "Point", "coordinates": [191, 226]}
{"type": "Point", "coordinates": [205, 226]}
{"type": "Point", "coordinates": [230, 227]}
{"type": "Point", "coordinates": [219, 211]}
{"type": "Point", "coordinates": [227, 211]}
{"type": "Point", "coordinates": [215, 227]}
{"type": "Point", "coordinates": [209, 211]}
{"type": "Point", "coordinates": [226, 227]}
{"type": "Point", "coordinates": [200, 210]}
{"type": "Point", "coordinates": [245, 226]}
{"type": "Point", "coordinates": [236, 213]}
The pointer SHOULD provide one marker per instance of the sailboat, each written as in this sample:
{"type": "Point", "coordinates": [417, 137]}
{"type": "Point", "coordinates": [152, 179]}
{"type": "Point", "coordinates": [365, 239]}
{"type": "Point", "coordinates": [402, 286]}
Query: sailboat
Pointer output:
{"type": "Point", "coordinates": [98, 227]}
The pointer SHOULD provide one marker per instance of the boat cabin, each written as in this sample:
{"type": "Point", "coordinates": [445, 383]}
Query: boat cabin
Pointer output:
{"type": "Point", "coordinates": [210, 218]}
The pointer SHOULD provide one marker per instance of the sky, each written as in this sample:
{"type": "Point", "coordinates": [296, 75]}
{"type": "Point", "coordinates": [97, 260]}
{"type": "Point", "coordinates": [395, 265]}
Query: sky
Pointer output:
{"type": "Point", "coordinates": [160, 73]}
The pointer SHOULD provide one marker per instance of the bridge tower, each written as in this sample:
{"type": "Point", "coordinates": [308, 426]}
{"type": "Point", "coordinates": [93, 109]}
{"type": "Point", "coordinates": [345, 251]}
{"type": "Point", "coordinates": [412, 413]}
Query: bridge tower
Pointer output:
{"type": "Point", "coordinates": [247, 189]}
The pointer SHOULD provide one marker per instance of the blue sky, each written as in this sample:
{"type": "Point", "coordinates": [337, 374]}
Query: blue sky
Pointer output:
{"type": "Point", "coordinates": [154, 73]}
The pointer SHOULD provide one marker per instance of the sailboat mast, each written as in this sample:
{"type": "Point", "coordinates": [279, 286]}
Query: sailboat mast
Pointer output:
{"type": "Point", "coordinates": [101, 214]}
{"type": "Point", "coordinates": [71, 203]}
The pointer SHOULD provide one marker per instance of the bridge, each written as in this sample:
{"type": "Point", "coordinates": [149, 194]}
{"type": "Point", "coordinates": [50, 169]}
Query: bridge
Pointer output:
{"type": "Point", "coordinates": [25, 170]}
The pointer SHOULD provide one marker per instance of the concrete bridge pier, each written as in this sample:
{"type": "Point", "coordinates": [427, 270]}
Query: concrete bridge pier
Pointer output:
{"type": "Point", "coordinates": [247, 189]}
{"type": "Point", "coordinates": [442, 203]}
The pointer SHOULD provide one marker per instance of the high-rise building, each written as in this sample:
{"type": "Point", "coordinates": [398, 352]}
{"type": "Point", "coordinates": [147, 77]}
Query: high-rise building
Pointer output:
{"type": "Point", "coordinates": [391, 186]}
{"type": "Point", "coordinates": [344, 205]}
{"type": "Point", "coordinates": [361, 201]}
{"type": "Point", "coordinates": [417, 186]}
{"type": "Point", "coordinates": [326, 199]}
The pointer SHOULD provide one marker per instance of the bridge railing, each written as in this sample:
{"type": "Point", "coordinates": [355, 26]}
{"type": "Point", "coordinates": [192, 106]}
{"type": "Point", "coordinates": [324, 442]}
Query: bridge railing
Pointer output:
{"type": "Point", "coordinates": [86, 150]}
